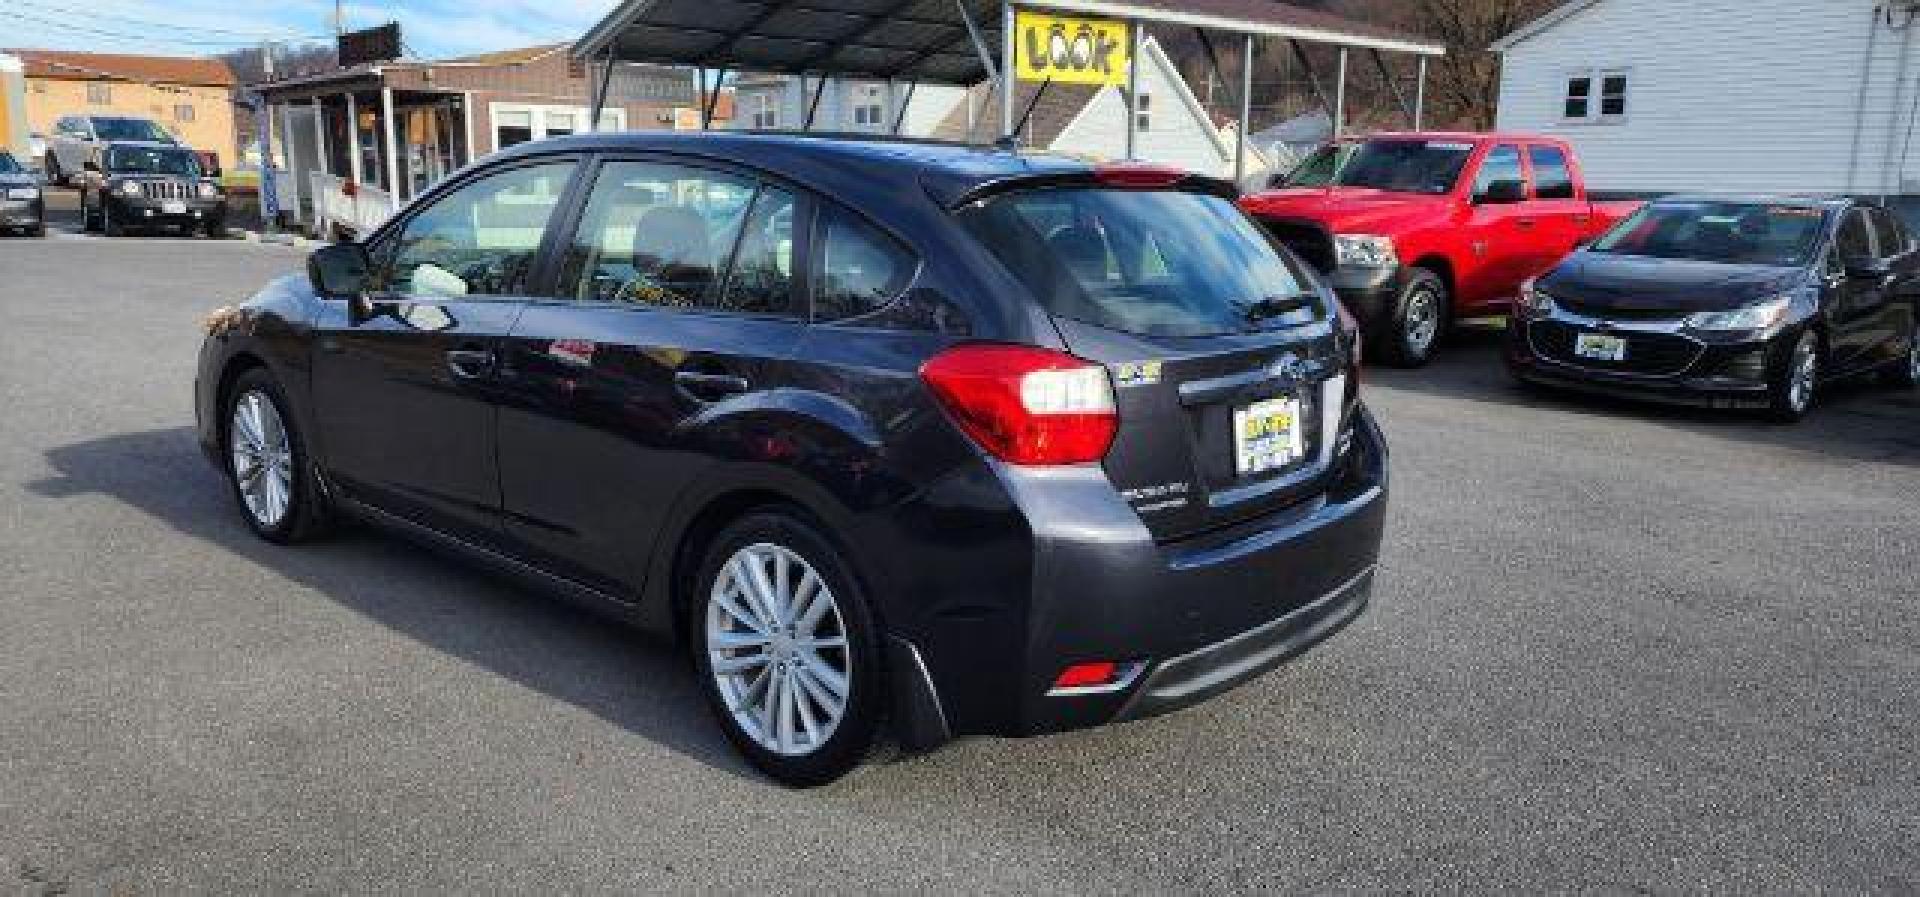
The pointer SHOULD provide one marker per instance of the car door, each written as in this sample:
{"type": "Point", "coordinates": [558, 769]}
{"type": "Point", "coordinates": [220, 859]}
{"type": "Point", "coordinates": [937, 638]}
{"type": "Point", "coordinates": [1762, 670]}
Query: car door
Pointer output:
{"type": "Point", "coordinates": [675, 305]}
{"type": "Point", "coordinates": [1859, 294]}
{"type": "Point", "coordinates": [1497, 233]}
{"type": "Point", "coordinates": [1884, 326]}
{"type": "Point", "coordinates": [405, 386]}
{"type": "Point", "coordinates": [1560, 214]}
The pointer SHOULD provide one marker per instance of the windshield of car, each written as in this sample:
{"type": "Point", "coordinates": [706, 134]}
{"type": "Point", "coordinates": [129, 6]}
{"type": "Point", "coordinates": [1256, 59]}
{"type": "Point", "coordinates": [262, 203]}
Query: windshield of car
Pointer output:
{"type": "Point", "coordinates": [1153, 263]}
{"type": "Point", "coordinates": [153, 160]}
{"type": "Point", "coordinates": [8, 164]}
{"type": "Point", "coordinates": [1319, 168]}
{"type": "Point", "coordinates": [1727, 232]}
{"type": "Point", "coordinates": [1406, 166]}
{"type": "Point", "coordinates": [128, 129]}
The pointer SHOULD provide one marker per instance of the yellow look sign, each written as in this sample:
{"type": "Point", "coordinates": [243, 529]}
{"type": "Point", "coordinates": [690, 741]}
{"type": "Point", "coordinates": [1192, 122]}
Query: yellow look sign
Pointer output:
{"type": "Point", "coordinates": [1070, 50]}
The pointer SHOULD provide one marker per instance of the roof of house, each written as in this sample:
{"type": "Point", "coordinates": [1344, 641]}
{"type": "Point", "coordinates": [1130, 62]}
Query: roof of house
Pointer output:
{"type": "Point", "coordinates": [518, 56]}
{"type": "Point", "coordinates": [1057, 108]}
{"type": "Point", "coordinates": [73, 66]}
{"type": "Point", "coordinates": [1546, 20]}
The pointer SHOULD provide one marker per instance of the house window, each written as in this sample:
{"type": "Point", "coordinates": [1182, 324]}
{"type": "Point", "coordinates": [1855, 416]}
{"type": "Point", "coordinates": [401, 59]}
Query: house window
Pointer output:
{"type": "Point", "coordinates": [1145, 112]}
{"type": "Point", "coordinates": [510, 128]}
{"type": "Point", "coordinates": [765, 116]}
{"type": "Point", "coordinates": [183, 112]}
{"type": "Point", "coordinates": [559, 124]}
{"type": "Point", "coordinates": [99, 94]}
{"type": "Point", "coordinates": [1596, 96]}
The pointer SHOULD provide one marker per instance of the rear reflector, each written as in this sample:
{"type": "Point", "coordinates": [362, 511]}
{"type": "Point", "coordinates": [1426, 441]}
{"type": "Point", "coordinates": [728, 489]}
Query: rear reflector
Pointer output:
{"type": "Point", "coordinates": [1137, 176]}
{"type": "Point", "coordinates": [1087, 675]}
{"type": "Point", "coordinates": [1026, 405]}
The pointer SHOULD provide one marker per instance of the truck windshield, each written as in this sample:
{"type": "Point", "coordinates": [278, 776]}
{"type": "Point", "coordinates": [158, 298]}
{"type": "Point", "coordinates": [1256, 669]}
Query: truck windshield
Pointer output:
{"type": "Point", "coordinates": [1320, 167]}
{"type": "Point", "coordinates": [8, 164]}
{"type": "Point", "coordinates": [1156, 263]}
{"type": "Point", "coordinates": [129, 129]}
{"type": "Point", "coordinates": [1727, 232]}
{"type": "Point", "coordinates": [153, 160]}
{"type": "Point", "coordinates": [1406, 166]}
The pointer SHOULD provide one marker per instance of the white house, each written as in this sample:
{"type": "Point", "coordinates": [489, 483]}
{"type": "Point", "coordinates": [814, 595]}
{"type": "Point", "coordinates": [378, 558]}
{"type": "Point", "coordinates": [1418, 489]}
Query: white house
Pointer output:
{"type": "Point", "coordinates": [1814, 96]}
{"type": "Point", "coordinates": [1091, 121]}
{"type": "Point", "coordinates": [780, 103]}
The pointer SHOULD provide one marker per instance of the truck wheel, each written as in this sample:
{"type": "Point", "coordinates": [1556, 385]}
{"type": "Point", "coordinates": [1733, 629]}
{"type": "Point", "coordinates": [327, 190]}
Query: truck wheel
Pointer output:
{"type": "Point", "coordinates": [1413, 326]}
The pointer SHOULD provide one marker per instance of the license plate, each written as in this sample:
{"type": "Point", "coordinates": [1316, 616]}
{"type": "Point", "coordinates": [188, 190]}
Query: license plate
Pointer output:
{"type": "Point", "coordinates": [1267, 436]}
{"type": "Point", "coordinates": [1600, 347]}
{"type": "Point", "coordinates": [173, 207]}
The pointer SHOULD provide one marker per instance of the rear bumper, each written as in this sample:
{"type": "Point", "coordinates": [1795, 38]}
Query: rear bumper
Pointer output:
{"type": "Point", "coordinates": [21, 212]}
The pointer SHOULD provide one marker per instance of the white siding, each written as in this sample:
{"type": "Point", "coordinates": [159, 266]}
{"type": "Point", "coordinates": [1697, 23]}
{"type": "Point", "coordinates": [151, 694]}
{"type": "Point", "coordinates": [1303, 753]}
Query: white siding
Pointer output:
{"type": "Point", "coordinates": [1730, 95]}
{"type": "Point", "coordinates": [1180, 134]}
{"type": "Point", "coordinates": [930, 104]}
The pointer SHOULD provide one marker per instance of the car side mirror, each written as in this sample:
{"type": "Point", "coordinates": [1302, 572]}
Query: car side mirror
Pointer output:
{"type": "Point", "coordinates": [1504, 192]}
{"type": "Point", "coordinates": [341, 271]}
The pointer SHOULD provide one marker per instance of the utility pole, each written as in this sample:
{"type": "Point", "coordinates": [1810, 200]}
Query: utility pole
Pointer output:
{"type": "Point", "coordinates": [339, 18]}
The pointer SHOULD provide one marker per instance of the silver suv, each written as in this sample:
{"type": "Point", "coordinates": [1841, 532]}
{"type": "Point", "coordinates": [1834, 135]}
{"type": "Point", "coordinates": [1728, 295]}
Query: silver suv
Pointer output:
{"type": "Point", "coordinates": [75, 139]}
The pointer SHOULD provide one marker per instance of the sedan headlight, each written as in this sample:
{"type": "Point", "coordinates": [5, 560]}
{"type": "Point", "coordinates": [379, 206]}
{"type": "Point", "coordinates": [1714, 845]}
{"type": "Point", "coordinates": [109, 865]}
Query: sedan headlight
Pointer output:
{"type": "Point", "coordinates": [208, 190]}
{"type": "Point", "coordinates": [1758, 316]}
{"type": "Point", "coordinates": [1365, 251]}
{"type": "Point", "coordinates": [28, 193]}
{"type": "Point", "coordinates": [1535, 301]}
{"type": "Point", "coordinates": [130, 188]}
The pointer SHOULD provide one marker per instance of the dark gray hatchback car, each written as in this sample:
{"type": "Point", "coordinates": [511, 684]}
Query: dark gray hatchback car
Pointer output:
{"type": "Point", "coordinates": [23, 207]}
{"type": "Point", "coordinates": [901, 440]}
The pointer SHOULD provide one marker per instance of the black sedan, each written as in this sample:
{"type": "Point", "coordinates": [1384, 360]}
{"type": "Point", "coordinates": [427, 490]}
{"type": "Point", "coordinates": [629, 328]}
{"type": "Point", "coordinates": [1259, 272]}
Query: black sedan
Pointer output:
{"type": "Point", "coordinates": [927, 438]}
{"type": "Point", "coordinates": [1736, 302]}
{"type": "Point", "coordinates": [23, 208]}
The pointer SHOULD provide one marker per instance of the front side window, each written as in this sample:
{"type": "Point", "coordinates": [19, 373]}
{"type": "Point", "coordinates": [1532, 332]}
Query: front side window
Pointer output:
{"type": "Point", "coordinates": [1502, 164]}
{"type": "Point", "coordinates": [661, 234]}
{"type": "Point", "coordinates": [1156, 263]}
{"type": "Point", "coordinates": [857, 269]}
{"type": "Point", "coordinates": [480, 240]}
{"type": "Point", "coordinates": [1551, 178]}
{"type": "Point", "coordinates": [1855, 240]}
{"type": "Point", "coordinates": [1725, 232]}
{"type": "Point", "coordinates": [1888, 234]}
{"type": "Point", "coordinates": [1407, 166]}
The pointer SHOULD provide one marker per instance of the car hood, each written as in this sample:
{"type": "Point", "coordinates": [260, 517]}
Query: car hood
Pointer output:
{"type": "Point", "coordinates": [1349, 210]}
{"type": "Point", "coordinates": [1605, 281]}
{"type": "Point", "coordinates": [9, 179]}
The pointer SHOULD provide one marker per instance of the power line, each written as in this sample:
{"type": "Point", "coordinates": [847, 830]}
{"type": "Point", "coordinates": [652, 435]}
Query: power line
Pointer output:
{"type": "Point", "coordinates": [250, 36]}
{"type": "Point", "coordinates": [121, 35]}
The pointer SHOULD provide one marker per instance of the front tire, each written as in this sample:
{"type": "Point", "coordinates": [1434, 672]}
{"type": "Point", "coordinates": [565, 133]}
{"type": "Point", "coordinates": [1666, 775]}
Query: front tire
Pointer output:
{"type": "Point", "coordinates": [1416, 320]}
{"type": "Point", "coordinates": [1795, 381]}
{"type": "Point", "coordinates": [1906, 375]}
{"type": "Point", "coordinates": [787, 649]}
{"type": "Point", "coordinates": [267, 463]}
{"type": "Point", "coordinates": [108, 226]}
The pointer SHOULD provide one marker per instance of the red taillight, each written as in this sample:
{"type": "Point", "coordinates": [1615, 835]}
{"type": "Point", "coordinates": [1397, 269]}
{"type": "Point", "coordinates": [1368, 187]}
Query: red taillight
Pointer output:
{"type": "Point", "coordinates": [1087, 675]}
{"type": "Point", "coordinates": [1026, 405]}
{"type": "Point", "coordinates": [1138, 176]}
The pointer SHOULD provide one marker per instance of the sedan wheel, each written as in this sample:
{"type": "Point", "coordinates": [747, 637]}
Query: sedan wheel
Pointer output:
{"type": "Point", "coordinates": [266, 463]}
{"type": "Point", "coordinates": [1798, 380]}
{"type": "Point", "coordinates": [787, 649]}
{"type": "Point", "coordinates": [1906, 374]}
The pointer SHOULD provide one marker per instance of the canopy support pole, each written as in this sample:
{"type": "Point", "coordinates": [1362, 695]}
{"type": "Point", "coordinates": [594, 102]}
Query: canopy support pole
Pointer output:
{"type": "Point", "coordinates": [1340, 98]}
{"type": "Point", "coordinates": [1133, 91]}
{"type": "Point", "coordinates": [710, 100]}
{"type": "Point", "coordinates": [353, 141]}
{"type": "Point", "coordinates": [1399, 96]}
{"type": "Point", "coordinates": [1313, 77]}
{"type": "Point", "coordinates": [1008, 47]}
{"type": "Point", "coordinates": [900, 116]}
{"type": "Point", "coordinates": [467, 113]}
{"type": "Point", "coordinates": [1246, 113]}
{"type": "Point", "coordinates": [1420, 97]}
{"type": "Point", "coordinates": [600, 88]}
{"type": "Point", "coordinates": [393, 146]}
{"type": "Point", "coordinates": [813, 107]}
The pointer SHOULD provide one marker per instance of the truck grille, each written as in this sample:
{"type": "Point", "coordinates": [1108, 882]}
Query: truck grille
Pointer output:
{"type": "Point", "coordinates": [1309, 242]}
{"type": "Point", "coordinates": [167, 189]}
{"type": "Point", "coordinates": [1651, 354]}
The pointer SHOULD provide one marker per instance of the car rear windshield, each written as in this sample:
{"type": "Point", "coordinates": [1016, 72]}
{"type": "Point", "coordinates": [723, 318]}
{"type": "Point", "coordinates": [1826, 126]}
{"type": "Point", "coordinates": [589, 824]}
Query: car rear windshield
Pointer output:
{"type": "Point", "coordinates": [1407, 166]}
{"type": "Point", "coordinates": [128, 129]}
{"type": "Point", "coordinates": [8, 164]}
{"type": "Point", "coordinates": [1155, 263]}
{"type": "Point", "coordinates": [1726, 232]}
{"type": "Point", "coordinates": [153, 160]}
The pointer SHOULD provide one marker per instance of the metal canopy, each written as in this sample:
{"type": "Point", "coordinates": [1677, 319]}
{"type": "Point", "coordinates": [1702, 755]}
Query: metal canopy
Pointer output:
{"type": "Point", "coordinates": [916, 40]}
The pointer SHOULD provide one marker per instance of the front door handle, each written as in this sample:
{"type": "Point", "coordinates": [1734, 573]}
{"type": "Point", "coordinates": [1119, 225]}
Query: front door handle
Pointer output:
{"type": "Point", "coordinates": [1524, 222]}
{"type": "Point", "coordinates": [707, 386]}
{"type": "Point", "coordinates": [470, 364]}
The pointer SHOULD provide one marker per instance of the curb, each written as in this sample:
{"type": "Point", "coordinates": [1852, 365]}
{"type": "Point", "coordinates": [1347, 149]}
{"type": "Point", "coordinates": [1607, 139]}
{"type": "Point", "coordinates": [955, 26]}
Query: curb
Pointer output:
{"type": "Point", "coordinates": [283, 239]}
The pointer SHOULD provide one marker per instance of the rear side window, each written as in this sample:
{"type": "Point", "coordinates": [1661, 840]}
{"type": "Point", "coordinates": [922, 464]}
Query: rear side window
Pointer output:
{"type": "Point", "coordinates": [1150, 263]}
{"type": "Point", "coordinates": [857, 269]}
{"type": "Point", "coordinates": [1886, 228]}
{"type": "Point", "coordinates": [1502, 164]}
{"type": "Point", "coordinates": [1551, 179]}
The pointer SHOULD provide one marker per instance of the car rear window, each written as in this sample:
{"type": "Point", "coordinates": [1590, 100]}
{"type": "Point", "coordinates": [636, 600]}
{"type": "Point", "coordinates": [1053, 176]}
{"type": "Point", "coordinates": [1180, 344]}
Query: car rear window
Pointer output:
{"type": "Point", "coordinates": [1154, 263]}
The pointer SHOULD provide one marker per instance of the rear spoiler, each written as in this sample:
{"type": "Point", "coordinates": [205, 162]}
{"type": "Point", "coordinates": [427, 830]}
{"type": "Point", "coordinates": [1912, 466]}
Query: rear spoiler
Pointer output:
{"type": "Point", "coordinates": [1114, 176]}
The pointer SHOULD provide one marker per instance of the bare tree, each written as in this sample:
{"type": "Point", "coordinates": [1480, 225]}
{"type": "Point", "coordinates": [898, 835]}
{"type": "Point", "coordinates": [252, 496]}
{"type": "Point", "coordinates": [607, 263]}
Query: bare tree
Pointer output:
{"type": "Point", "coordinates": [1464, 85]}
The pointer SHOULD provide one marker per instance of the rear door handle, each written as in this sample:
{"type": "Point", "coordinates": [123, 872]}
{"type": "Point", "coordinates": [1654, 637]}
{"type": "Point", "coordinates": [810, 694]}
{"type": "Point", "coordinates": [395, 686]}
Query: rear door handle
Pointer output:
{"type": "Point", "coordinates": [710, 386]}
{"type": "Point", "coordinates": [470, 364]}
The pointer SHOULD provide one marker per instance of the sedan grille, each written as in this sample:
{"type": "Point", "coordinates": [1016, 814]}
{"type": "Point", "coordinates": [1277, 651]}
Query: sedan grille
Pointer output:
{"type": "Point", "coordinates": [1606, 313]}
{"type": "Point", "coordinates": [1647, 353]}
{"type": "Point", "coordinates": [168, 189]}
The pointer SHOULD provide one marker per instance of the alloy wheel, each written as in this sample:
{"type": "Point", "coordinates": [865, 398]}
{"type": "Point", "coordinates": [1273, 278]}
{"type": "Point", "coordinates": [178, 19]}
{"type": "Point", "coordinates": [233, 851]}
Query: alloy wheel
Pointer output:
{"type": "Point", "coordinates": [262, 458]}
{"type": "Point", "coordinates": [777, 648]}
{"type": "Point", "coordinates": [1423, 321]}
{"type": "Point", "coordinates": [1804, 373]}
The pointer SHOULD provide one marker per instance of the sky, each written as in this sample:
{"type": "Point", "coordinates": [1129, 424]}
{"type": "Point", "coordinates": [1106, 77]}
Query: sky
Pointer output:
{"type": "Point", "coordinates": [432, 29]}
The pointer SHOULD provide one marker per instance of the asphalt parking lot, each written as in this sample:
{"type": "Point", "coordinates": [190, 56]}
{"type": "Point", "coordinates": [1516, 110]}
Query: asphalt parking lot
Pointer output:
{"type": "Point", "coordinates": [1613, 647]}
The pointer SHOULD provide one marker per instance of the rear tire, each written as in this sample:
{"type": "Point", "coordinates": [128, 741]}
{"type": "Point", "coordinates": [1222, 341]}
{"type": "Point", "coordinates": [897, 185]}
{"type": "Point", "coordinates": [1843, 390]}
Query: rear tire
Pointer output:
{"type": "Point", "coordinates": [786, 660]}
{"type": "Point", "coordinates": [1795, 381]}
{"type": "Point", "coordinates": [1416, 321]}
{"type": "Point", "coordinates": [1906, 375]}
{"type": "Point", "coordinates": [272, 476]}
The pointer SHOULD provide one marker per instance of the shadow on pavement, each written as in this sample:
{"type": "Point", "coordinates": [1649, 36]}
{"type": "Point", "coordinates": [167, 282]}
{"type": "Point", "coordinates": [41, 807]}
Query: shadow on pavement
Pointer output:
{"type": "Point", "coordinates": [1856, 419]}
{"type": "Point", "coordinates": [618, 674]}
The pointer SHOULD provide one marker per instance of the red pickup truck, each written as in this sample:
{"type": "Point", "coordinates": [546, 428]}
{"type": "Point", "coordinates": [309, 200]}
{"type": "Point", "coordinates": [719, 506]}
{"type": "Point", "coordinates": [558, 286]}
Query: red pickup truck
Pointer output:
{"type": "Point", "coordinates": [1417, 230]}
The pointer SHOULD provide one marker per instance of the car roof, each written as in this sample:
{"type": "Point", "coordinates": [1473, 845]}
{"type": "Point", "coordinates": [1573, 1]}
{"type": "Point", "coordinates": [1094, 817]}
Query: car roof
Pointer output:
{"type": "Point", "coordinates": [1466, 136]}
{"type": "Point", "coordinates": [946, 169]}
{"type": "Point", "coordinates": [1822, 201]}
{"type": "Point", "coordinates": [145, 144]}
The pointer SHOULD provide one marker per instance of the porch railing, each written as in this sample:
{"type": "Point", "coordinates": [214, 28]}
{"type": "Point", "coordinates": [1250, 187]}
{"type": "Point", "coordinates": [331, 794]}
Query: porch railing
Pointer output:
{"type": "Point", "coordinates": [334, 211]}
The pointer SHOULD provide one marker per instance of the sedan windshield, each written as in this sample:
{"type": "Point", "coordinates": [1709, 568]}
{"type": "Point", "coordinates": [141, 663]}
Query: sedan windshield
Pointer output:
{"type": "Point", "coordinates": [1152, 263]}
{"type": "Point", "coordinates": [1727, 232]}
{"type": "Point", "coordinates": [8, 164]}
{"type": "Point", "coordinates": [153, 160]}
{"type": "Point", "coordinates": [1406, 166]}
{"type": "Point", "coordinates": [129, 129]}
